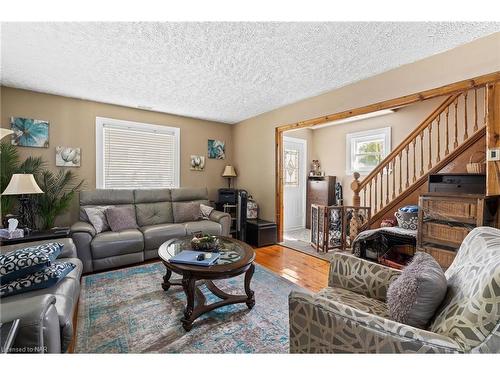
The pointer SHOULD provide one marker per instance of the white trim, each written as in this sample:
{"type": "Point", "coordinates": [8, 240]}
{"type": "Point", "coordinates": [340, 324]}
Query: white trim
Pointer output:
{"type": "Point", "coordinates": [100, 122]}
{"type": "Point", "coordinates": [304, 174]}
{"type": "Point", "coordinates": [367, 134]}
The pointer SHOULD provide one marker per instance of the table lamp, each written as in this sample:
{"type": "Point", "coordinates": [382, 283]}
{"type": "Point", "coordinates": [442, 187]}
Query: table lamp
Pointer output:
{"type": "Point", "coordinates": [4, 132]}
{"type": "Point", "coordinates": [229, 173]}
{"type": "Point", "coordinates": [22, 185]}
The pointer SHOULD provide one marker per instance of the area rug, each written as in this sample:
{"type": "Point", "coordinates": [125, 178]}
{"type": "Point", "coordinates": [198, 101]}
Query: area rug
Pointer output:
{"type": "Point", "coordinates": [127, 311]}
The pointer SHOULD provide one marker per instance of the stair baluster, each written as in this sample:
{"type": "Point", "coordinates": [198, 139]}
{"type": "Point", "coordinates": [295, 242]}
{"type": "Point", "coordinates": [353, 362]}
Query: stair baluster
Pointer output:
{"type": "Point", "coordinates": [466, 131]}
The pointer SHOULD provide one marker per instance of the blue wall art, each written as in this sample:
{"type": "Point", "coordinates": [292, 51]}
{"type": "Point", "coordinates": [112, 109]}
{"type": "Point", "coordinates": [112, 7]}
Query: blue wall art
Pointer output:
{"type": "Point", "coordinates": [29, 132]}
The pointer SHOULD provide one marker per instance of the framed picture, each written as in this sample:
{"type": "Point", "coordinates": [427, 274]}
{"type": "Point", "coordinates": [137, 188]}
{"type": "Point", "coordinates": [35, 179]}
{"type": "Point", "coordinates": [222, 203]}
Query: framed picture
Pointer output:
{"type": "Point", "coordinates": [216, 149]}
{"type": "Point", "coordinates": [67, 156]}
{"type": "Point", "coordinates": [197, 163]}
{"type": "Point", "coordinates": [29, 132]}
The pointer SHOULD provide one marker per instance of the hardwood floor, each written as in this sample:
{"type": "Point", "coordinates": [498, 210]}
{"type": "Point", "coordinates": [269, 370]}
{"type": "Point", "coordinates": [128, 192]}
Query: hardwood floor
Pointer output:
{"type": "Point", "coordinates": [305, 270]}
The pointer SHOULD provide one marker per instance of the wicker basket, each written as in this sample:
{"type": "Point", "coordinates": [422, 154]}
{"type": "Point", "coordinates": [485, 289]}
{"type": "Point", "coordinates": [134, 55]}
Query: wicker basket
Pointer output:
{"type": "Point", "coordinates": [478, 166]}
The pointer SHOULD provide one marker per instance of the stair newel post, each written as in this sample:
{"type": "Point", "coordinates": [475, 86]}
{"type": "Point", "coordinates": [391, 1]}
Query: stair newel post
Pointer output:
{"type": "Point", "coordinates": [382, 188]}
{"type": "Point", "coordinates": [414, 143]}
{"type": "Point", "coordinates": [394, 178]}
{"type": "Point", "coordinates": [400, 172]}
{"type": "Point", "coordinates": [429, 166]}
{"type": "Point", "coordinates": [466, 131]}
{"type": "Point", "coordinates": [422, 153]}
{"type": "Point", "coordinates": [355, 186]}
{"type": "Point", "coordinates": [475, 109]}
{"type": "Point", "coordinates": [387, 184]}
{"type": "Point", "coordinates": [455, 143]}
{"type": "Point", "coordinates": [438, 158]}
{"type": "Point", "coordinates": [447, 150]}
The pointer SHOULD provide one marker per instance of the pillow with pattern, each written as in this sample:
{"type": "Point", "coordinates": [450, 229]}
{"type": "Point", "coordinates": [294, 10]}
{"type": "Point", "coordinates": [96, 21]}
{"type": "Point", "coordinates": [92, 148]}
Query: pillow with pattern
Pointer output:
{"type": "Point", "coordinates": [45, 278]}
{"type": "Point", "coordinates": [22, 262]}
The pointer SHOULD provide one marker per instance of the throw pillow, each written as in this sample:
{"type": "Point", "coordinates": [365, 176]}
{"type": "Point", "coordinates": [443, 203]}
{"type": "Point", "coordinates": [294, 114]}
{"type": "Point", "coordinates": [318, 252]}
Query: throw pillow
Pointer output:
{"type": "Point", "coordinates": [42, 279]}
{"type": "Point", "coordinates": [186, 211]}
{"type": "Point", "coordinates": [97, 217]}
{"type": "Point", "coordinates": [121, 218]}
{"type": "Point", "coordinates": [414, 297]}
{"type": "Point", "coordinates": [205, 211]}
{"type": "Point", "coordinates": [22, 262]}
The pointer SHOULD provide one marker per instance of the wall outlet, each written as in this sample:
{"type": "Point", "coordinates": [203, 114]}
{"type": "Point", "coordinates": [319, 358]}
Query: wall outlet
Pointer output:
{"type": "Point", "coordinates": [494, 154]}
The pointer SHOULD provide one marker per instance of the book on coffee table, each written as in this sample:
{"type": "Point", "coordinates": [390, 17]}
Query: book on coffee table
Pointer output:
{"type": "Point", "coordinates": [191, 257]}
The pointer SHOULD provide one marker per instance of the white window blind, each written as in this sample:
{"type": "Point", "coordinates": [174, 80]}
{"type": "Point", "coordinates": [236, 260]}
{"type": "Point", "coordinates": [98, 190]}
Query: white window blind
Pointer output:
{"type": "Point", "coordinates": [138, 157]}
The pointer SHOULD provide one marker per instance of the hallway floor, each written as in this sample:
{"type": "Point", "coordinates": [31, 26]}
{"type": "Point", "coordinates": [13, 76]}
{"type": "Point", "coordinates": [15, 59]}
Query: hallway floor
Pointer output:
{"type": "Point", "coordinates": [299, 239]}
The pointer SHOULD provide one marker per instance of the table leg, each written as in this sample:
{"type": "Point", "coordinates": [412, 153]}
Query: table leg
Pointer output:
{"type": "Point", "coordinates": [166, 280]}
{"type": "Point", "coordinates": [249, 292]}
{"type": "Point", "coordinates": [189, 285]}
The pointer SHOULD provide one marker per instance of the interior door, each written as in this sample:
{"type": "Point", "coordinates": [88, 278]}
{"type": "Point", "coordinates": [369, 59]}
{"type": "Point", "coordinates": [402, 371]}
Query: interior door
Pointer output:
{"type": "Point", "coordinates": [294, 200]}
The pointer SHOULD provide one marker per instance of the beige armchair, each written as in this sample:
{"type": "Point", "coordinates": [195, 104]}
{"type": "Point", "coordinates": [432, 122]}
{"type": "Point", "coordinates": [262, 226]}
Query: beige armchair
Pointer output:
{"type": "Point", "coordinates": [351, 315]}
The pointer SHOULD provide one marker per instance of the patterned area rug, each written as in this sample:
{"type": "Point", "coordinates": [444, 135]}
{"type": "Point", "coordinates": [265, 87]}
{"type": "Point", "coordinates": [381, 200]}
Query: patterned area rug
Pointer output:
{"type": "Point", "coordinates": [127, 311]}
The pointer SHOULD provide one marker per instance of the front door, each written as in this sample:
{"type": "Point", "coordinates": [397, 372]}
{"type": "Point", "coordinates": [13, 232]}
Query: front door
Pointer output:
{"type": "Point", "coordinates": [294, 164]}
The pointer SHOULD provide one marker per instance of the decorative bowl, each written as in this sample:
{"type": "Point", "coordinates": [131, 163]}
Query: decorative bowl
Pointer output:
{"type": "Point", "coordinates": [205, 242]}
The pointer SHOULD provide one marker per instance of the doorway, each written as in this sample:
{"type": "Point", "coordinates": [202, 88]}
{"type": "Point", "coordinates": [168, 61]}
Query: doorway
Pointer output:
{"type": "Point", "coordinates": [295, 175]}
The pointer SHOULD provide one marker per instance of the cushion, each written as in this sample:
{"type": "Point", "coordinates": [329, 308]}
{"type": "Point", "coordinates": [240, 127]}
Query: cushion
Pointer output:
{"type": "Point", "coordinates": [97, 217]}
{"type": "Point", "coordinates": [42, 279]}
{"type": "Point", "coordinates": [121, 218]}
{"type": "Point", "coordinates": [154, 213]}
{"type": "Point", "coordinates": [155, 235]}
{"type": "Point", "coordinates": [205, 211]}
{"type": "Point", "coordinates": [110, 244]}
{"type": "Point", "coordinates": [186, 211]}
{"type": "Point", "coordinates": [414, 297]}
{"type": "Point", "coordinates": [28, 260]}
{"type": "Point", "coordinates": [205, 226]}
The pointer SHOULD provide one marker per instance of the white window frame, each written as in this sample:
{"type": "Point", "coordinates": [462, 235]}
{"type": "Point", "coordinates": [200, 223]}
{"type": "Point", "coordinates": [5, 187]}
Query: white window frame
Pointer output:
{"type": "Point", "coordinates": [366, 135]}
{"type": "Point", "coordinates": [137, 126]}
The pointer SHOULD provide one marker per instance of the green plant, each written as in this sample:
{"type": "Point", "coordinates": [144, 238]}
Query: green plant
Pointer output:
{"type": "Point", "coordinates": [59, 189]}
{"type": "Point", "coordinates": [9, 165]}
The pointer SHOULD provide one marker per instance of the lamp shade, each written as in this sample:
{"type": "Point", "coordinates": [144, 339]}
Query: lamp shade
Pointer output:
{"type": "Point", "coordinates": [229, 171]}
{"type": "Point", "coordinates": [4, 132]}
{"type": "Point", "coordinates": [22, 184]}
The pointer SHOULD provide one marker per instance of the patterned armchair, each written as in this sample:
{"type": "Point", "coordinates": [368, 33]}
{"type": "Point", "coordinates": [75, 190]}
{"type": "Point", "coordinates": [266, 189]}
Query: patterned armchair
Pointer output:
{"type": "Point", "coordinates": [351, 316]}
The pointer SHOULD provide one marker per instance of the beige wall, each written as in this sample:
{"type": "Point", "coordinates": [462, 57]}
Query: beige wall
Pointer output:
{"type": "Point", "coordinates": [72, 123]}
{"type": "Point", "coordinates": [254, 138]}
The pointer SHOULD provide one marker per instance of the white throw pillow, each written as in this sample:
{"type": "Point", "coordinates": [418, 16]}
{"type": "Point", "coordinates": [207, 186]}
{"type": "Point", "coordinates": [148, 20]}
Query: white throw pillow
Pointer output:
{"type": "Point", "coordinates": [205, 211]}
{"type": "Point", "coordinates": [97, 218]}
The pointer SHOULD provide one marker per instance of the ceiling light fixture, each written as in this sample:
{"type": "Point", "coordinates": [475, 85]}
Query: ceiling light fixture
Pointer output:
{"type": "Point", "coordinates": [365, 116]}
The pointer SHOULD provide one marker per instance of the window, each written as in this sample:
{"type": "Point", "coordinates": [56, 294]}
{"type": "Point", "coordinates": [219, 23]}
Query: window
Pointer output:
{"type": "Point", "coordinates": [291, 166]}
{"type": "Point", "coordinates": [365, 150]}
{"type": "Point", "coordinates": [132, 155]}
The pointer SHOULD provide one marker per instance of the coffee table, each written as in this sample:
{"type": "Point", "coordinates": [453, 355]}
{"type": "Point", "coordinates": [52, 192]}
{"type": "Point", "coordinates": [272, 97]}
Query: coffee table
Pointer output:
{"type": "Point", "coordinates": [236, 258]}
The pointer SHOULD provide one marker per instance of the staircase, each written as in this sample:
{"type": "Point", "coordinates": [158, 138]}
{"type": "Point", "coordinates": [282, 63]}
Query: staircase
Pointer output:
{"type": "Point", "coordinates": [453, 127]}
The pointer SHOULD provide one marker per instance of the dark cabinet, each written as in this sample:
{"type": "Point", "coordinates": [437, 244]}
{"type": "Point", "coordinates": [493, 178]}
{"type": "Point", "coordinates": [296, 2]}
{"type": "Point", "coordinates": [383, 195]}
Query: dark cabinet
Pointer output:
{"type": "Point", "coordinates": [320, 191]}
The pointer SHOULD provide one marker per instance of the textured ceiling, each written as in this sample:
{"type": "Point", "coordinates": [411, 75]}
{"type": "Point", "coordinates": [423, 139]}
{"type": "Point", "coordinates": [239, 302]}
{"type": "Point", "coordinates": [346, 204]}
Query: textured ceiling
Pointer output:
{"type": "Point", "coordinates": [225, 72]}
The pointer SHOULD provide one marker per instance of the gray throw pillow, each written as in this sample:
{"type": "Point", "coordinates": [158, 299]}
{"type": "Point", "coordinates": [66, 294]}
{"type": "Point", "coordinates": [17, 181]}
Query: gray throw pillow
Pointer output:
{"type": "Point", "coordinates": [97, 218]}
{"type": "Point", "coordinates": [414, 297]}
{"type": "Point", "coordinates": [186, 211]}
{"type": "Point", "coordinates": [121, 218]}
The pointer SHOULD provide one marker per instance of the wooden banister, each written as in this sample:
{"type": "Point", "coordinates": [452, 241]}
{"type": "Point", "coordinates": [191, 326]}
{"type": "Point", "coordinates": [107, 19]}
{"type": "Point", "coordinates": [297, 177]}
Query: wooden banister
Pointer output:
{"type": "Point", "coordinates": [406, 142]}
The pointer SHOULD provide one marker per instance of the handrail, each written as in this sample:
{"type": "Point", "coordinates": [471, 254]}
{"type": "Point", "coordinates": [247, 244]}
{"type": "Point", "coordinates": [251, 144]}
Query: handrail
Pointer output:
{"type": "Point", "coordinates": [408, 140]}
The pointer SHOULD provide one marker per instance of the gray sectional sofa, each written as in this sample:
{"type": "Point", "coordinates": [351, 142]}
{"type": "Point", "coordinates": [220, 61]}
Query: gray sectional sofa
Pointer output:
{"type": "Point", "coordinates": [46, 315]}
{"type": "Point", "coordinates": [160, 215]}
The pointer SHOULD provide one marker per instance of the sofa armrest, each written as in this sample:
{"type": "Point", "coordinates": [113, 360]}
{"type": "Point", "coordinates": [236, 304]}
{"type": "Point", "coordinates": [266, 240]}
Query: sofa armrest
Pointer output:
{"type": "Point", "coordinates": [361, 276]}
{"type": "Point", "coordinates": [319, 325]}
{"type": "Point", "coordinates": [39, 330]}
{"type": "Point", "coordinates": [83, 227]}
{"type": "Point", "coordinates": [82, 234]}
{"type": "Point", "coordinates": [224, 219]}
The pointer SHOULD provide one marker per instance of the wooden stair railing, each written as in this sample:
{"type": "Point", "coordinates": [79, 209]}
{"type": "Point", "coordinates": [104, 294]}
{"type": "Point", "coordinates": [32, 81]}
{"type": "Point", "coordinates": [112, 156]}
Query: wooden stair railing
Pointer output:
{"type": "Point", "coordinates": [431, 144]}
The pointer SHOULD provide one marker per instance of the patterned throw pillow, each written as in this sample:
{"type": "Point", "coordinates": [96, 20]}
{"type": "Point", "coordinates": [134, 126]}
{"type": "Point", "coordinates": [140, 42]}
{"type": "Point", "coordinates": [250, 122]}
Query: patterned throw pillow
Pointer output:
{"type": "Point", "coordinates": [416, 294]}
{"type": "Point", "coordinates": [205, 211]}
{"type": "Point", "coordinates": [26, 261]}
{"type": "Point", "coordinates": [97, 218]}
{"type": "Point", "coordinates": [42, 279]}
{"type": "Point", "coordinates": [121, 218]}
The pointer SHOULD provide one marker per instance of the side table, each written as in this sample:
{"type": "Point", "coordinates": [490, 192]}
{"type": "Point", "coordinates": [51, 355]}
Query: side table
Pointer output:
{"type": "Point", "coordinates": [38, 235]}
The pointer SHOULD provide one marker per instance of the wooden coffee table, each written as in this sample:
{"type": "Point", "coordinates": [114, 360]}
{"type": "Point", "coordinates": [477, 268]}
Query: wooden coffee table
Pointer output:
{"type": "Point", "coordinates": [236, 258]}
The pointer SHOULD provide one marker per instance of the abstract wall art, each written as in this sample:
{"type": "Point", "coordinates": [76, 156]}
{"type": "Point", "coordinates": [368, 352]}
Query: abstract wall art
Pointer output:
{"type": "Point", "coordinates": [29, 132]}
{"type": "Point", "coordinates": [216, 149]}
